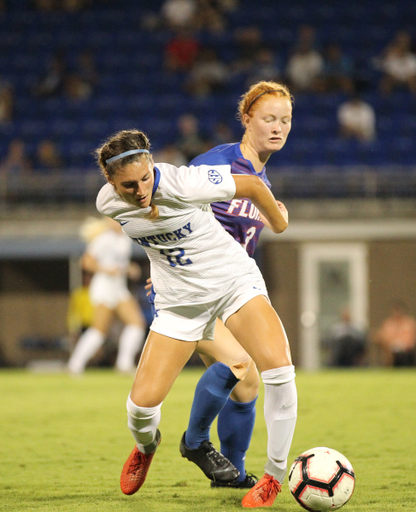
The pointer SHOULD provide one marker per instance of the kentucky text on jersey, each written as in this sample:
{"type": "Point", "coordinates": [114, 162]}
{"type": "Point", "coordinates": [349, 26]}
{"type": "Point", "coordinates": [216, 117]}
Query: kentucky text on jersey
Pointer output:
{"type": "Point", "coordinates": [173, 236]}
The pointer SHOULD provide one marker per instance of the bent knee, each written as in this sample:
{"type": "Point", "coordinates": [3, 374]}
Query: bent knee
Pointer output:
{"type": "Point", "coordinates": [247, 390]}
{"type": "Point", "coordinates": [241, 369]}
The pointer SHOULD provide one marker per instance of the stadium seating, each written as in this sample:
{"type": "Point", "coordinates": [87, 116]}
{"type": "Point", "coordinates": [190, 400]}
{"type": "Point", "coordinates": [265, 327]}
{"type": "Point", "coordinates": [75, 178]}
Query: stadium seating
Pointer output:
{"type": "Point", "coordinates": [134, 90]}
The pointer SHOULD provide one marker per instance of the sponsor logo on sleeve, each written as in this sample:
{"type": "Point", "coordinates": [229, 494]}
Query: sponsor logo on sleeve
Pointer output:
{"type": "Point", "coordinates": [214, 177]}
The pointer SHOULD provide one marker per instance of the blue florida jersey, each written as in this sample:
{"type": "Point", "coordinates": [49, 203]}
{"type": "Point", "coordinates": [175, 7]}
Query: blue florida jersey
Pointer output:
{"type": "Point", "coordinates": [239, 216]}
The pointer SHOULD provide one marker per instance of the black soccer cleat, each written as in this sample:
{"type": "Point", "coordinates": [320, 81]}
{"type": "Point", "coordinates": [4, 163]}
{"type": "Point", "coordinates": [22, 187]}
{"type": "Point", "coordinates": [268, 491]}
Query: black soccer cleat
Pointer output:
{"type": "Point", "coordinates": [249, 481]}
{"type": "Point", "coordinates": [213, 464]}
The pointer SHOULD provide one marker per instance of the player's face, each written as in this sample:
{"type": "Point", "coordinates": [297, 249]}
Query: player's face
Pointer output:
{"type": "Point", "coordinates": [134, 183]}
{"type": "Point", "coordinates": [270, 124]}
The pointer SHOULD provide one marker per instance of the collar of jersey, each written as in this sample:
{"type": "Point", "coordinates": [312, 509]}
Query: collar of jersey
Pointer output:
{"type": "Point", "coordinates": [240, 155]}
{"type": "Point", "coordinates": [157, 180]}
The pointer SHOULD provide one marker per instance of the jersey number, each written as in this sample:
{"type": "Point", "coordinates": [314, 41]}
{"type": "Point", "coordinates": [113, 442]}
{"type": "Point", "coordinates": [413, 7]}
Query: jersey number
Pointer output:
{"type": "Point", "coordinates": [175, 259]}
{"type": "Point", "coordinates": [250, 233]}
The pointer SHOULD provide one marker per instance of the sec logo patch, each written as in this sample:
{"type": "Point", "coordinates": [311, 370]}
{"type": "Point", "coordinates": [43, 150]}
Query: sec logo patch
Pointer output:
{"type": "Point", "coordinates": [214, 176]}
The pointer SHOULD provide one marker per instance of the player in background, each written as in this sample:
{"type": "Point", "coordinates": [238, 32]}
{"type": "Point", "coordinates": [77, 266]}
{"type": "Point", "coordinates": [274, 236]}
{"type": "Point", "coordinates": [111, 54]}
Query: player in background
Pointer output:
{"type": "Point", "coordinates": [265, 112]}
{"type": "Point", "coordinates": [200, 274]}
{"type": "Point", "coordinates": [107, 256]}
{"type": "Point", "coordinates": [80, 311]}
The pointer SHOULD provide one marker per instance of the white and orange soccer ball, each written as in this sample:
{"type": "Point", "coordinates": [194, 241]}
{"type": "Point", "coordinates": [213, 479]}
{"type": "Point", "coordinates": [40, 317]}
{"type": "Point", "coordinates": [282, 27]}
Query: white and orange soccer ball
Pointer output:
{"type": "Point", "coordinates": [321, 479]}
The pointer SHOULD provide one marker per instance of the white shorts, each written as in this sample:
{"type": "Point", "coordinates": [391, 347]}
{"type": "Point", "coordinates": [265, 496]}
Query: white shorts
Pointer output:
{"type": "Point", "coordinates": [108, 290]}
{"type": "Point", "coordinates": [197, 322]}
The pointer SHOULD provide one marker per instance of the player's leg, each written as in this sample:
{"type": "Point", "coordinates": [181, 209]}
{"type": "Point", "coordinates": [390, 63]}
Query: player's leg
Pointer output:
{"type": "Point", "coordinates": [236, 423]}
{"type": "Point", "coordinates": [161, 362]}
{"type": "Point", "coordinates": [211, 393]}
{"type": "Point", "coordinates": [91, 340]}
{"type": "Point", "coordinates": [132, 337]}
{"type": "Point", "coordinates": [215, 385]}
{"type": "Point", "coordinates": [258, 328]}
{"type": "Point", "coordinates": [237, 415]}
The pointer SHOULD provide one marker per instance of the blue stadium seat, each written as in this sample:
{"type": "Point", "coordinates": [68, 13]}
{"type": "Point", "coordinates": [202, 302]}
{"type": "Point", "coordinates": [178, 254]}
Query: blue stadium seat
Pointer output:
{"type": "Point", "coordinates": [93, 128]}
{"type": "Point", "coordinates": [34, 130]}
{"type": "Point", "coordinates": [109, 103]}
{"type": "Point", "coordinates": [79, 153]}
{"type": "Point", "coordinates": [63, 128]}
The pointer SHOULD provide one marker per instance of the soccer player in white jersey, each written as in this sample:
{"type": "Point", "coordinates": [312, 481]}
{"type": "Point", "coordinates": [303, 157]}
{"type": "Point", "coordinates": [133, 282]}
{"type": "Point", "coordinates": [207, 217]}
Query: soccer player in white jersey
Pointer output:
{"type": "Point", "coordinates": [200, 274]}
{"type": "Point", "coordinates": [107, 256]}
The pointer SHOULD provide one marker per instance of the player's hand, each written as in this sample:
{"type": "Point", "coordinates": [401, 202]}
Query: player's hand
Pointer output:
{"type": "Point", "coordinates": [134, 272]}
{"type": "Point", "coordinates": [283, 209]}
{"type": "Point", "coordinates": [148, 286]}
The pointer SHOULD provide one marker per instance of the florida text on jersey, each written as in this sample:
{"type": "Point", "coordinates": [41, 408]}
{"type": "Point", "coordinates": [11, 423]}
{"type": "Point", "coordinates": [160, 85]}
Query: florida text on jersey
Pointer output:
{"type": "Point", "coordinates": [239, 216]}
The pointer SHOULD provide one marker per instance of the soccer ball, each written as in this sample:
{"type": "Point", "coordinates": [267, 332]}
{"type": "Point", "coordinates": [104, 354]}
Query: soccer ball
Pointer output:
{"type": "Point", "coordinates": [321, 479]}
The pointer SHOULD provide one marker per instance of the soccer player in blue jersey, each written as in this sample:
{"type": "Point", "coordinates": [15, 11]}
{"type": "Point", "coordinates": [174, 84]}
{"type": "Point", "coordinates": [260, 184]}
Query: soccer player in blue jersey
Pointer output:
{"type": "Point", "coordinates": [265, 113]}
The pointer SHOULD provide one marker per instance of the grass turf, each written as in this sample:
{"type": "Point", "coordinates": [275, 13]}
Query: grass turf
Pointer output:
{"type": "Point", "coordinates": [64, 441]}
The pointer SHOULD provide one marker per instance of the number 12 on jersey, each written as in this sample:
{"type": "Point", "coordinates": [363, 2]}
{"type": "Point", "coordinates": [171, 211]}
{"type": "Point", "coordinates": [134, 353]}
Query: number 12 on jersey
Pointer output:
{"type": "Point", "coordinates": [176, 259]}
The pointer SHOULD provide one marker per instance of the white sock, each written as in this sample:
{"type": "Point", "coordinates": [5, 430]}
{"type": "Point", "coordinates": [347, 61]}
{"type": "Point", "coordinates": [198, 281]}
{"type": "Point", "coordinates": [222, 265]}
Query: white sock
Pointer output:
{"type": "Point", "coordinates": [88, 344]}
{"type": "Point", "coordinates": [143, 423]}
{"type": "Point", "coordinates": [280, 412]}
{"type": "Point", "coordinates": [131, 341]}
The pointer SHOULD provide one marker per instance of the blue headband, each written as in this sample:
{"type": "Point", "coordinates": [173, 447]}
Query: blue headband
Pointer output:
{"type": "Point", "coordinates": [126, 153]}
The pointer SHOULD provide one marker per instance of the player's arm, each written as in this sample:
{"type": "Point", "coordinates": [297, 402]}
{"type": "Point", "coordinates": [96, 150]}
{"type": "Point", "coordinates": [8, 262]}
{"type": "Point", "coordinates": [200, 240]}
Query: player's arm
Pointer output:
{"type": "Point", "coordinates": [253, 188]}
{"type": "Point", "coordinates": [90, 264]}
{"type": "Point", "coordinates": [282, 208]}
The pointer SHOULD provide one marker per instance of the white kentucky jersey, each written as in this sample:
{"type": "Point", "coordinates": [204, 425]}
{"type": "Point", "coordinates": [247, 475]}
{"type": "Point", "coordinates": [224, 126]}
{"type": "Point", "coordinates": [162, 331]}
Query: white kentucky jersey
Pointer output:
{"type": "Point", "coordinates": [193, 259]}
{"type": "Point", "coordinates": [112, 250]}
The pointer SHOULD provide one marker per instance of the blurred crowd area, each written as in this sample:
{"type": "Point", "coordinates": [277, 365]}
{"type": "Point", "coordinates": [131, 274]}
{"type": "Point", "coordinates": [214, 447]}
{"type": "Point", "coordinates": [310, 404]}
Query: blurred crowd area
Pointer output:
{"type": "Point", "coordinates": [74, 71]}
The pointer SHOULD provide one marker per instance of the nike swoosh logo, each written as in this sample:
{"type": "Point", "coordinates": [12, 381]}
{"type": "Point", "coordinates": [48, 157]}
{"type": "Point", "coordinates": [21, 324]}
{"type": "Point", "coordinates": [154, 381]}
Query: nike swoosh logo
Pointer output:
{"type": "Point", "coordinates": [288, 406]}
{"type": "Point", "coordinates": [122, 223]}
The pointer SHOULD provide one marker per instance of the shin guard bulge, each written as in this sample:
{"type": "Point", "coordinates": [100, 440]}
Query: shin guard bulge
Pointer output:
{"type": "Point", "coordinates": [280, 412]}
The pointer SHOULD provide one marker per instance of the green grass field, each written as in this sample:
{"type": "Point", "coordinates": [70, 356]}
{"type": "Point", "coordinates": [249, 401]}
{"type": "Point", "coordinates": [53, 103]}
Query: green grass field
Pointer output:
{"type": "Point", "coordinates": [64, 441]}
